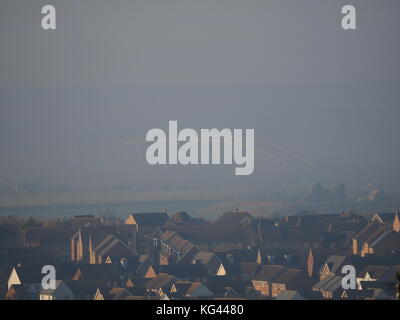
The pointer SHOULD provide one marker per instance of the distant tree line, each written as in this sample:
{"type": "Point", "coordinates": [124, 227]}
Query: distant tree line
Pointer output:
{"type": "Point", "coordinates": [320, 193]}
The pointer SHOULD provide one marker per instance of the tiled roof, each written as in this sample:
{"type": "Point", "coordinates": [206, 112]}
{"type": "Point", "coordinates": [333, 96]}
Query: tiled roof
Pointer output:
{"type": "Point", "coordinates": [152, 219]}
{"type": "Point", "coordinates": [84, 287]}
{"type": "Point", "coordinates": [367, 231]}
{"type": "Point", "coordinates": [269, 272]}
{"type": "Point", "coordinates": [184, 288]}
{"type": "Point", "coordinates": [288, 275]}
{"type": "Point", "coordinates": [232, 218]}
{"type": "Point", "coordinates": [113, 247]}
{"type": "Point", "coordinates": [98, 233]}
{"type": "Point", "coordinates": [335, 262]}
{"type": "Point", "coordinates": [162, 280]}
{"type": "Point", "coordinates": [177, 244]}
{"type": "Point", "coordinates": [329, 283]}
{"type": "Point", "coordinates": [385, 217]}
{"type": "Point", "coordinates": [209, 260]}
{"type": "Point", "coordinates": [183, 219]}
{"type": "Point", "coordinates": [289, 295]}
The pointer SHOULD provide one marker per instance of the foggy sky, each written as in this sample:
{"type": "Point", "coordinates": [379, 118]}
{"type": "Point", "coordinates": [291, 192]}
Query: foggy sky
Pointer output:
{"type": "Point", "coordinates": [116, 69]}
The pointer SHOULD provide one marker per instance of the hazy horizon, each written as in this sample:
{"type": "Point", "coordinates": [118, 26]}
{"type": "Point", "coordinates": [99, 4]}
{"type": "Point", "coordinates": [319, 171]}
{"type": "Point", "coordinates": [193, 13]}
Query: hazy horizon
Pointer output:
{"type": "Point", "coordinates": [324, 102]}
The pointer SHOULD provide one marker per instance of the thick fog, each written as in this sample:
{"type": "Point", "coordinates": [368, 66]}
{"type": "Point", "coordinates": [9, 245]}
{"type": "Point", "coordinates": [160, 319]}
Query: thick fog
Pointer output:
{"type": "Point", "coordinates": [326, 98]}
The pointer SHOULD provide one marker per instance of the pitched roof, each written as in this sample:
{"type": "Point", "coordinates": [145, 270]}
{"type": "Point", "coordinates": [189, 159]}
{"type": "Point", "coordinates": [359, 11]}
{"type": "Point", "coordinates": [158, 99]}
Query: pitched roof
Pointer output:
{"type": "Point", "coordinates": [32, 272]}
{"type": "Point", "coordinates": [162, 280]}
{"type": "Point", "coordinates": [17, 292]}
{"type": "Point", "coordinates": [150, 219]}
{"type": "Point", "coordinates": [370, 230]}
{"type": "Point", "coordinates": [249, 268]}
{"type": "Point", "coordinates": [334, 262]}
{"type": "Point", "coordinates": [219, 285]}
{"type": "Point", "coordinates": [209, 260]}
{"type": "Point", "coordinates": [376, 272]}
{"type": "Point", "coordinates": [185, 270]}
{"type": "Point", "coordinates": [329, 283]}
{"type": "Point", "coordinates": [29, 273]}
{"type": "Point", "coordinates": [117, 293]}
{"type": "Point", "coordinates": [106, 272]}
{"type": "Point", "coordinates": [385, 217]}
{"type": "Point", "coordinates": [389, 240]}
{"type": "Point", "coordinates": [113, 247]}
{"type": "Point", "coordinates": [244, 268]}
{"type": "Point", "coordinates": [97, 233]}
{"type": "Point", "coordinates": [84, 287]}
{"type": "Point", "coordinates": [51, 291]}
{"type": "Point", "coordinates": [182, 218]}
{"type": "Point", "coordinates": [288, 275]}
{"type": "Point", "coordinates": [289, 295]}
{"type": "Point", "coordinates": [390, 259]}
{"type": "Point", "coordinates": [233, 218]}
{"type": "Point", "coordinates": [186, 288]}
{"type": "Point", "coordinates": [269, 272]}
{"type": "Point", "coordinates": [177, 244]}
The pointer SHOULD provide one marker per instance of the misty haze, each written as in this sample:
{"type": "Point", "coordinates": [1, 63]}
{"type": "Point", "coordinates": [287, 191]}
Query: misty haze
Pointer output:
{"type": "Point", "coordinates": [76, 103]}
